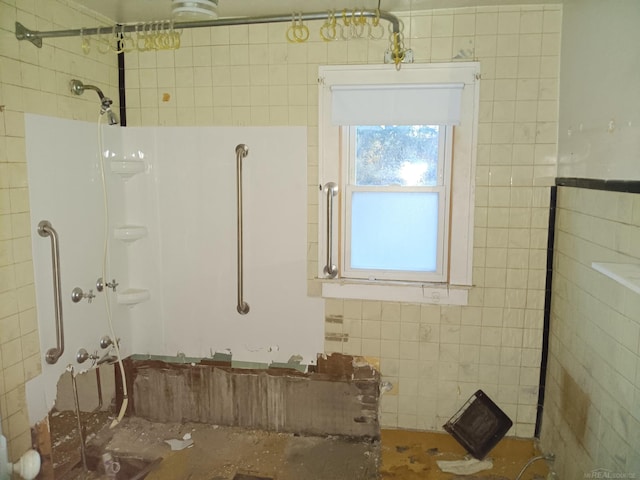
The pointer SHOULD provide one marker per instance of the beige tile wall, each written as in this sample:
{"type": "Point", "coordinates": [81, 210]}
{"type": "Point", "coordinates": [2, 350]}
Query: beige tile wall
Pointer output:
{"type": "Point", "coordinates": [592, 402]}
{"type": "Point", "coordinates": [434, 356]}
{"type": "Point", "coordinates": [32, 80]}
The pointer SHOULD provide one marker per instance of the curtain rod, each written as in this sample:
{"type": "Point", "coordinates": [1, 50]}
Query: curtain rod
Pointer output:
{"type": "Point", "coordinates": [35, 37]}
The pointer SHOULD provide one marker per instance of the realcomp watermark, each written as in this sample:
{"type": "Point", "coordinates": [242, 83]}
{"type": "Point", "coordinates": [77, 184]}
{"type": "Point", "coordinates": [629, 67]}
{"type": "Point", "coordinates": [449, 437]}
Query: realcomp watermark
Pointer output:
{"type": "Point", "coordinates": [604, 473]}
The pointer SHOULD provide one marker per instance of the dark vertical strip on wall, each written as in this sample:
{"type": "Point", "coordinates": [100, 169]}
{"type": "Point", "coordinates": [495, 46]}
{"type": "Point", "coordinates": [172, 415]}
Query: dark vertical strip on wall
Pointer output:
{"type": "Point", "coordinates": [547, 309]}
{"type": "Point", "coordinates": [121, 91]}
{"type": "Point", "coordinates": [624, 186]}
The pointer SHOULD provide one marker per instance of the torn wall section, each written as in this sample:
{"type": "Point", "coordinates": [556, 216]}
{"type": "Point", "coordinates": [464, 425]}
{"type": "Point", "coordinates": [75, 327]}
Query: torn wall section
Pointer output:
{"type": "Point", "coordinates": [339, 398]}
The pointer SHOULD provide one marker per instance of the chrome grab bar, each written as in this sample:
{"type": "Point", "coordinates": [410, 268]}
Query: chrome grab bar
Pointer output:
{"type": "Point", "coordinates": [46, 230]}
{"type": "Point", "coordinates": [241, 151]}
{"type": "Point", "coordinates": [331, 189]}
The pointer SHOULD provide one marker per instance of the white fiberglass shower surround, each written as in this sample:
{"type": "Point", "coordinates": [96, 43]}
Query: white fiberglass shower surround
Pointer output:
{"type": "Point", "coordinates": [172, 243]}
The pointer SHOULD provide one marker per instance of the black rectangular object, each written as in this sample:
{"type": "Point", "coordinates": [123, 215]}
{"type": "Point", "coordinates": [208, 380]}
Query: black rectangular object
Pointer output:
{"type": "Point", "coordinates": [479, 425]}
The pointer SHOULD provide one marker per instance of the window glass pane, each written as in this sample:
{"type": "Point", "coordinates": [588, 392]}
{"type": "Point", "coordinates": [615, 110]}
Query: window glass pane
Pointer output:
{"type": "Point", "coordinates": [397, 155]}
{"type": "Point", "coordinates": [394, 231]}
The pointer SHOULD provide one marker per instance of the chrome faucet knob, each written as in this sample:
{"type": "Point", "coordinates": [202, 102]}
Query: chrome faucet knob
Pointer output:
{"type": "Point", "coordinates": [77, 294]}
{"type": "Point", "coordinates": [112, 284]}
{"type": "Point", "coordinates": [82, 355]}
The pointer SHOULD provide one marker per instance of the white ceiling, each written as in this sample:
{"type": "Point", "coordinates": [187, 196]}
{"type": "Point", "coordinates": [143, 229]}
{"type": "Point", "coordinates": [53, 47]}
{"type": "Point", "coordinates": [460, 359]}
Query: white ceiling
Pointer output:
{"type": "Point", "coordinates": [134, 11]}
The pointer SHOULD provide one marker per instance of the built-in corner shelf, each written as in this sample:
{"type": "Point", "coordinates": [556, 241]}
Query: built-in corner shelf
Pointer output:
{"type": "Point", "coordinates": [132, 296]}
{"type": "Point", "coordinates": [129, 233]}
{"type": "Point", "coordinates": [627, 274]}
{"type": "Point", "coordinates": [127, 168]}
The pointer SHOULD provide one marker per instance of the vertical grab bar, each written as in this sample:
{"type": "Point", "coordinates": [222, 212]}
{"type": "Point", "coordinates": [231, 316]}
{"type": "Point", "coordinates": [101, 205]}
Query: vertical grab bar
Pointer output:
{"type": "Point", "coordinates": [331, 189]}
{"type": "Point", "coordinates": [241, 151]}
{"type": "Point", "coordinates": [46, 230]}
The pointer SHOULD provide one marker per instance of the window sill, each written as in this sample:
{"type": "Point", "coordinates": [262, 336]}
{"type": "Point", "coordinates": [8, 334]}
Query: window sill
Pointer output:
{"type": "Point", "coordinates": [408, 292]}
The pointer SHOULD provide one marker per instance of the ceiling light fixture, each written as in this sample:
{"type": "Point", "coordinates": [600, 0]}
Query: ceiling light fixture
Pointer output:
{"type": "Point", "coordinates": [194, 9]}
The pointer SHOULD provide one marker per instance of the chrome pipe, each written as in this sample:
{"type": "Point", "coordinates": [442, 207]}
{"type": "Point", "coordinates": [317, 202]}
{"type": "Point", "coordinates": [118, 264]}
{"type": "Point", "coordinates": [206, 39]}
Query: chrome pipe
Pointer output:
{"type": "Point", "coordinates": [241, 151]}
{"type": "Point", "coordinates": [46, 230]}
{"type": "Point", "coordinates": [35, 37]}
{"type": "Point", "coordinates": [330, 270]}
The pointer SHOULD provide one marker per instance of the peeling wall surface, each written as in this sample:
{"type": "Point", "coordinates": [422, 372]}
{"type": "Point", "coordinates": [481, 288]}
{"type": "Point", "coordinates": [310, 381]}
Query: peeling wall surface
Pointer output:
{"type": "Point", "coordinates": [599, 128]}
{"type": "Point", "coordinates": [327, 402]}
{"type": "Point", "coordinates": [591, 416]}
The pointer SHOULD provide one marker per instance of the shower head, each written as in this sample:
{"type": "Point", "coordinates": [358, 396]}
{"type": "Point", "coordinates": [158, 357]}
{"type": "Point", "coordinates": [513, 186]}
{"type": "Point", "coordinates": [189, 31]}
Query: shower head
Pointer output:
{"type": "Point", "coordinates": [112, 118]}
{"type": "Point", "coordinates": [78, 88]}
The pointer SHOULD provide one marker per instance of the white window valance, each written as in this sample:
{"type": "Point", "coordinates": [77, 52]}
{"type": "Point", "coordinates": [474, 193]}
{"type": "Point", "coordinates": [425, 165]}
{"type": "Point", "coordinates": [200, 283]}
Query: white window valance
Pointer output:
{"type": "Point", "coordinates": [396, 104]}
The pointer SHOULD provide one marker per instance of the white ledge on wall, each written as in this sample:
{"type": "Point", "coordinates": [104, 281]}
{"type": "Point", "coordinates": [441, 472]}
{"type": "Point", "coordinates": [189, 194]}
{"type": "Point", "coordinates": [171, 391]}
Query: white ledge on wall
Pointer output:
{"type": "Point", "coordinates": [129, 233]}
{"type": "Point", "coordinates": [132, 296]}
{"type": "Point", "coordinates": [127, 168]}
{"type": "Point", "coordinates": [627, 274]}
{"type": "Point", "coordinates": [396, 292]}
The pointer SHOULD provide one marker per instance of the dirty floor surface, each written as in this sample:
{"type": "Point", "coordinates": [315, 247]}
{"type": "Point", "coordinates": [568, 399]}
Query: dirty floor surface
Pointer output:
{"type": "Point", "coordinates": [226, 453]}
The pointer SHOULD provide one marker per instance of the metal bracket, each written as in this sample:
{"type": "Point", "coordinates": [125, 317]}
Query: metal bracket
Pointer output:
{"type": "Point", "coordinates": [23, 33]}
{"type": "Point", "coordinates": [407, 58]}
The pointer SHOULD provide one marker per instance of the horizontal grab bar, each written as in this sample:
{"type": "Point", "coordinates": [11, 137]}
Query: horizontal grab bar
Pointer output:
{"type": "Point", "coordinates": [46, 230]}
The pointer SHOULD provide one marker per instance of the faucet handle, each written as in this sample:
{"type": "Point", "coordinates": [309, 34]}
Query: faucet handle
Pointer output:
{"type": "Point", "coordinates": [100, 284]}
{"type": "Point", "coordinates": [77, 294]}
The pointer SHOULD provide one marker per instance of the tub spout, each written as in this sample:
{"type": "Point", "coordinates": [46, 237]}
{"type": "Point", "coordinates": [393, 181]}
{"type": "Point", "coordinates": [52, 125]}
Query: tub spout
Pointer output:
{"type": "Point", "coordinates": [108, 358]}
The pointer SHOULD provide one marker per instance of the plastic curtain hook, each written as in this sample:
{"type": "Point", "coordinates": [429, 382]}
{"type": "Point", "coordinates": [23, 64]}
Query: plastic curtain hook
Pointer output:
{"type": "Point", "coordinates": [328, 30]}
{"type": "Point", "coordinates": [376, 30]}
{"type": "Point", "coordinates": [85, 42]}
{"type": "Point", "coordinates": [297, 32]}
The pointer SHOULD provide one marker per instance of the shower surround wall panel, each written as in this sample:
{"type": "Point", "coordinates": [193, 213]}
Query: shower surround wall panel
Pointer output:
{"type": "Point", "coordinates": [185, 196]}
{"type": "Point", "coordinates": [188, 202]}
{"type": "Point", "coordinates": [66, 189]}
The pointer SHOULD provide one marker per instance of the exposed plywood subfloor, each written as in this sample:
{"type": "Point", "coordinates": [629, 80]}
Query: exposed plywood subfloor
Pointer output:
{"type": "Point", "coordinates": [410, 455]}
{"type": "Point", "coordinates": [219, 453]}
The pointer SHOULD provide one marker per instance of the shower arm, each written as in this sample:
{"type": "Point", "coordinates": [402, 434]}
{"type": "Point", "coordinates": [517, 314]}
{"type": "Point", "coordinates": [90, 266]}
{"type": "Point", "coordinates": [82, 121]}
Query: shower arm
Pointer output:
{"type": "Point", "coordinates": [35, 37]}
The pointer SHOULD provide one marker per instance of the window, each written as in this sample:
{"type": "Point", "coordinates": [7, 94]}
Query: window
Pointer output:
{"type": "Point", "coordinates": [397, 180]}
{"type": "Point", "coordinates": [400, 146]}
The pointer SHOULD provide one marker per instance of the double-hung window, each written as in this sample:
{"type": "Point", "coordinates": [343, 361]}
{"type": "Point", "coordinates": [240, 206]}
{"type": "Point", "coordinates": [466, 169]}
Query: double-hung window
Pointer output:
{"type": "Point", "coordinates": [397, 156]}
{"type": "Point", "coordinates": [396, 201]}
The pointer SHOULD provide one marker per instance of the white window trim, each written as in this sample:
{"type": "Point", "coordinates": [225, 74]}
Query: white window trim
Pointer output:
{"type": "Point", "coordinates": [463, 180]}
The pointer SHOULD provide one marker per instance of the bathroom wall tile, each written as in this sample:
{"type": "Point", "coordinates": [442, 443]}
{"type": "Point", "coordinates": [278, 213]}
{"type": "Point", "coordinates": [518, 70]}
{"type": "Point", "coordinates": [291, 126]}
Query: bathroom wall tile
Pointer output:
{"type": "Point", "coordinates": [508, 22]}
{"type": "Point", "coordinates": [507, 46]}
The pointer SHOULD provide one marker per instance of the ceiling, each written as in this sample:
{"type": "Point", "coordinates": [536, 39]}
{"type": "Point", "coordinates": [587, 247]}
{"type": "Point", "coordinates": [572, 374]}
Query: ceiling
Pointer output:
{"type": "Point", "coordinates": [136, 11]}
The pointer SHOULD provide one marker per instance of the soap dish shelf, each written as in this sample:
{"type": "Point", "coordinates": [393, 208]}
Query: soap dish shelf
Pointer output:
{"type": "Point", "coordinates": [127, 168]}
{"type": "Point", "coordinates": [132, 296]}
{"type": "Point", "coordinates": [129, 233]}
